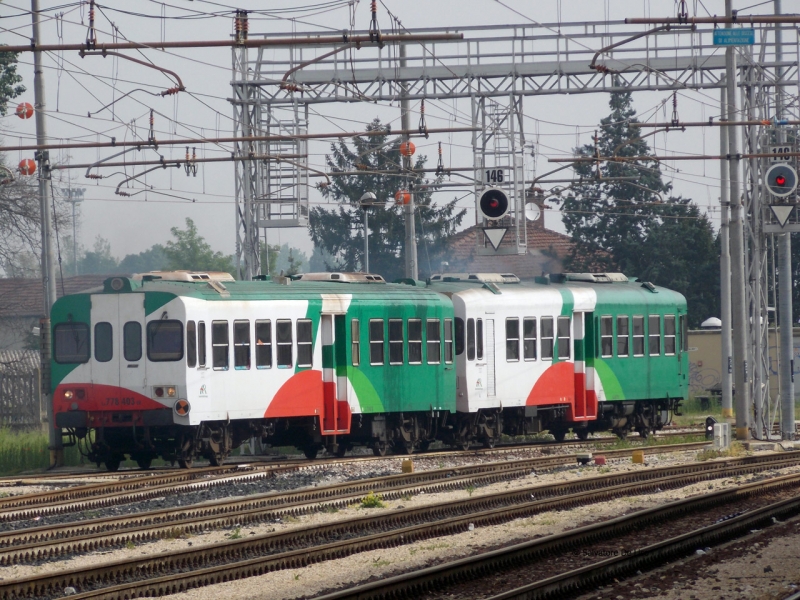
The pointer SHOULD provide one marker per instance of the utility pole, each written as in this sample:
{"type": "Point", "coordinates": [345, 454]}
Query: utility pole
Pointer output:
{"type": "Point", "coordinates": [48, 264]}
{"type": "Point", "coordinates": [725, 266]}
{"type": "Point", "coordinates": [411, 235]}
{"type": "Point", "coordinates": [738, 296]}
{"type": "Point", "coordinates": [784, 272]}
{"type": "Point", "coordinates": [74, 197]}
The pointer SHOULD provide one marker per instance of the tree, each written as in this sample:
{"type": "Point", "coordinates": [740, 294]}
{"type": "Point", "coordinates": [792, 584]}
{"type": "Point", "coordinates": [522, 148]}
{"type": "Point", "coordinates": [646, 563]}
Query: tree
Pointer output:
{"type": "Point", "coordinates": [190, 251]}
{"type": "Point", "coordinates": [152, 259]}
{"type": "Point", "coordinates": [98, 260]}
{"type": "Point", "coordinates": [625, 220]}
{"type": "Point", "coordinates": [9, 80]}
{"type": "Point", "coordinates": [339, 233]}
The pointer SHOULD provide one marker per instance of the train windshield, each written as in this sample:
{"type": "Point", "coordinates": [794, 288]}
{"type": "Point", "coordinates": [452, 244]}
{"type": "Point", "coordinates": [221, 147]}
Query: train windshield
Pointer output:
{"type": "Point", "coordinates": [164, 340]}
{"type": "Point", "coordinates": [71, 343]}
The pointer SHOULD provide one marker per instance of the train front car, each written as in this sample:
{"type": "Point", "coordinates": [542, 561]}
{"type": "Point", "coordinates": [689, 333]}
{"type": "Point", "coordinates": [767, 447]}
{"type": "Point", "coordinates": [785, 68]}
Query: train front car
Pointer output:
{"type": "Point", "coordinates": [185, 365]}
{"type": "Point", "coordinates": [535, 357]}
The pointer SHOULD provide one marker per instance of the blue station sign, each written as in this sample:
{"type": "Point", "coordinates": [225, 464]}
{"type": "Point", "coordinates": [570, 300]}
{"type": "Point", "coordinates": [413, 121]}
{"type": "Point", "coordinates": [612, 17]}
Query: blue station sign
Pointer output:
{"type": "Point", "coordinates": [745, 36]}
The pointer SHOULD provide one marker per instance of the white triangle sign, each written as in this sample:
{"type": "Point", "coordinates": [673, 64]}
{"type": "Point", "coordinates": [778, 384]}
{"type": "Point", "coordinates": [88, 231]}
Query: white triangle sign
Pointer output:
{"type": "Point", "coordinates": [782, 212]}
{"type": "Point", "coordinates": [495, 235]}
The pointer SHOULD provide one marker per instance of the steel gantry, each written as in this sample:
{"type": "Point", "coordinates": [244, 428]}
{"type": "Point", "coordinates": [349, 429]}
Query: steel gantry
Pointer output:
{"type": "Point", "coordinates": [493, 68]}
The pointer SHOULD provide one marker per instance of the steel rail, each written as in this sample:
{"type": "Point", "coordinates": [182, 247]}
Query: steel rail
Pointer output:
{"type": "Point", "coordinates": [58, 540]}
{"type": "Point", "coordinates": [187, 569]}
{"type": "Point", "coordinates": [417, 583]}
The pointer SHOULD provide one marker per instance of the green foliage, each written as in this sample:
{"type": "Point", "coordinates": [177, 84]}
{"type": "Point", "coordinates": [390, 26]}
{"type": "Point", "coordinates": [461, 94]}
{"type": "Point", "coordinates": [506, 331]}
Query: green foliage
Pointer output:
{"type": "Point", "coordinates": [99, 259]}
{"type": "Point", "coordinates": [633, 225]}
{"type": "Point", "coordinates": [9, 80]}
{"type": "Point", "coordinates": [339, 232]}
{"type": "Point", "coordinates": [372, 500]}
{"type": "Point", "coordinates": [27, 451]}
{"type": "Point", "coordinates": [129, 545]}
{"type": "Point", "coordinates": [289, 260]}
{"type": "Point", "coordinates": [190, 251]}
{"type": "Point", "coordinates": [236, 534]}
{"type": "Point", "coordinates": [470, 489]}
{"type": "Point", "coordinates": [152, 259]}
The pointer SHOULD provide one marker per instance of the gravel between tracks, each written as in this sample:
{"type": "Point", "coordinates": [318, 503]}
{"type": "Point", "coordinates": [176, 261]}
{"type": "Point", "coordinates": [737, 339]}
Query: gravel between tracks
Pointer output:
{"type": "Point", "coordinates": [314, 579]}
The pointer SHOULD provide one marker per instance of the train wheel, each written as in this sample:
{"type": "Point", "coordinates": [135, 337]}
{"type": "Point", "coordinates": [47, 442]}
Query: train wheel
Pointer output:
{"type": "Point", "coordinates": [379, 448]}
{"type": "Point", "coordinates": [216, 459]}
{"type": "Point", "coordinates": [310, 451]}
{"type": "Point", "coordinates": [489, 442]}
{"type": "Point", "coordinates": [403, 447]}
{"type": "Point", "coordinates": [463, 446]}
{"type": "Point", "coordinates": [341, 450]}
{"type": "Point", "coordinates": [644, 432]}
{"type": "Point", "coordinates": [424, 445]}
{"type": "Point", "coordinates": [620, 433]}
{"type": "Point", "coordinates": [559, 434]}
{"type": "Point", "coordinates": [113, 463]}
{"type": "Point", "coordinates": [144, 463]}
{"type": "Point", "coordinates": [582, 433]}
{"type": "Point", "coordinates": [185, 463]}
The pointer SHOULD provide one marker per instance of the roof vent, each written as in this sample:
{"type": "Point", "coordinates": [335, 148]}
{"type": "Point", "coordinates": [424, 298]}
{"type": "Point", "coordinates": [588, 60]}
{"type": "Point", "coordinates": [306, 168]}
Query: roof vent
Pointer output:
{"type": "Point", "coordinates": [197, 277]}
{"type": "Point", "coordinates": [594, 277]}
{"type": "Point", "coordinates": [219, 288]}
{"type": "Point", "coordinates": [341, 277]}
{"type": "Point", "coordinates": [478, 277]}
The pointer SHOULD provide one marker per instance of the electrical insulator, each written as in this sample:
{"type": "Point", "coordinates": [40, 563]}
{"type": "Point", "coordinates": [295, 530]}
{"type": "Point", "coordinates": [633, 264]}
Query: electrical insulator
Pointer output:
{"type": "Point", "coordinates": [407, 148]}
{"type": "Point", "coordinates": [27, 166]}
{"type": "Point", "coordinates": [24, 110]}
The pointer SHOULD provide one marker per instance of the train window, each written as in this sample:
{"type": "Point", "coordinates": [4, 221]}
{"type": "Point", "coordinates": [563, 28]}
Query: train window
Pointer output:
{"type": "Point", "coordinates": [669, 335]}
{"type": "Point", "coordinates": [448, 341]}
{"type": "Point", "coordinates": [263, 344]}
{"type": "Point", "coordinates": [415, 341]}
{"type": "Point", "coordinates": [283, 337]}
{"type": "Point", "coordinates": [164, 340]}
{"type": "Point", "coordinates": [563, 338]}
{"type": "Point", "coordinates": [434, 342]}
{"type": "Point", "coordinates": [547, 338]}
{"type": "Point", "coordinates": [376, 352]}
{"type": "Point", "coordinates": [191, 344]}
{"type": "Point", "coordinates": [479, 339]}
{"type": "Point", "coordinates": [529, 338]}
{"type": "Point", "coordinates": [623, 331]}
{"type": "Point", "coordinates": [305, 343]}
{"type": "Point", "coordinates": [219, 345]}
{"type": "Point", "coordinates": [606, 336]}
{"type": "Point", "coordinates": [470, 339]}
{"type": "Point", "coordinates": [512, 340]}
{"type": "Point", "coordinates": [71, 343]}
{"type": "Point", "coordinates": [241, 345]}
{"type": "Point", "coordinates": [103, 342]}
{"type": "Point", "coordinates": [459, 336]}
{"type": "Point", "coordinates": [638, 335]}
{"type": "Point", "coordinates": [395, 341]}
{"type": "Point", "coordinates": [132, 341]}
{"type": "Point", "coordinates": [654, 337]}
{"type": "Point", "coordinates": [355, 341]}
{"type": "Point", "coordinates": [201, 344]}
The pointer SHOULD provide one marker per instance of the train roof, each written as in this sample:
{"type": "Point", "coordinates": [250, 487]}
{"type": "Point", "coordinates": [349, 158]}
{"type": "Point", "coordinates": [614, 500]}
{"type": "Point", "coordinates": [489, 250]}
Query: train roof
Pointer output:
{"type": "Point", "coordinates": [217, 288]}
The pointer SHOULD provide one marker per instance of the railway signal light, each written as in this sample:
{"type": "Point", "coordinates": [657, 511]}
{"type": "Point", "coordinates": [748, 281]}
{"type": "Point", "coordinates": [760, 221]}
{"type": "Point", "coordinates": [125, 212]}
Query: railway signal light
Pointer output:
{"type": "Point", "coordinates": [781, 180]}
{"type": "Point", "coordinates": [493, 203]}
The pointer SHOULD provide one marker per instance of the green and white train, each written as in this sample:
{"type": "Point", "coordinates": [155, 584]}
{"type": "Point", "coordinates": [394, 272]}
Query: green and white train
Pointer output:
{"type": "Point", "coordinates": [185, 365]}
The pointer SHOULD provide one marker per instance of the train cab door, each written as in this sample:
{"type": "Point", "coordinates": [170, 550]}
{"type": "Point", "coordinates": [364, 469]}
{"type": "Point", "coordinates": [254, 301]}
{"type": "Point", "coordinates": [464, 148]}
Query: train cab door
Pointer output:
{"type": "Point", "coordinates": [131, 344]}
{"type": "Point", "coordinates": [105, 357]}
{"type": "Point", "coordinates": [336, 410]}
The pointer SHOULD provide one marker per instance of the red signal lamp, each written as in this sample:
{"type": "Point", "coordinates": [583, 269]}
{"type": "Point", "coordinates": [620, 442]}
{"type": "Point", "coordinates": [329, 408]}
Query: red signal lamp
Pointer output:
{"type": "Point", "coordinates": [780, 180]}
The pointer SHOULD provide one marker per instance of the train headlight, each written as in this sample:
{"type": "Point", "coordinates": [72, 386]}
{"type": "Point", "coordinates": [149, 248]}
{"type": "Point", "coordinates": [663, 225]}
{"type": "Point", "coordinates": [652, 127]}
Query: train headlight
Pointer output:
{"type": "Point", "coordinates": [159, 392]}
{"type": "Point", "coordinates": [68, 394]}
{"type": "Point", "coordinates": [171, 392]}
{"type": "Point", "coordinates": [81, 394]}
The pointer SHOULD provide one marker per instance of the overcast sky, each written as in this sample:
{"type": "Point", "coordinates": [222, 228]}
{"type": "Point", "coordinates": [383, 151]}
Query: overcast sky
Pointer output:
{"type": "Point", "coordinates": [76, 86]}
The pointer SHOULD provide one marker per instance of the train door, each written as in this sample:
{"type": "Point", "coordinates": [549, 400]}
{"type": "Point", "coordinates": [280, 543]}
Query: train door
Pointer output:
{"type": "Point", "coordinates": [335, 409]}
{"type": "Point", "coordinates": [491, 388]}
{"type": "Point", "coordinates": [475, 351]}
{"type": "Point", "coordinates": [130, 344]}
{"type": "Point", "coordinates": [585, 404]}
{"type": "Point", "coordinates": [105, 335]}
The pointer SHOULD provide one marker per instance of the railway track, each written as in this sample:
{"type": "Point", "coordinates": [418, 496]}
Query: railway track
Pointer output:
{"type": "Point", "coordinates": [37, 543]}
{"type": "Point", "coordinates": [526, 561]}
{"type": "Point", "coordinates": [147, 484]}
{"type": "Point", "coordinates": [180, 570]}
